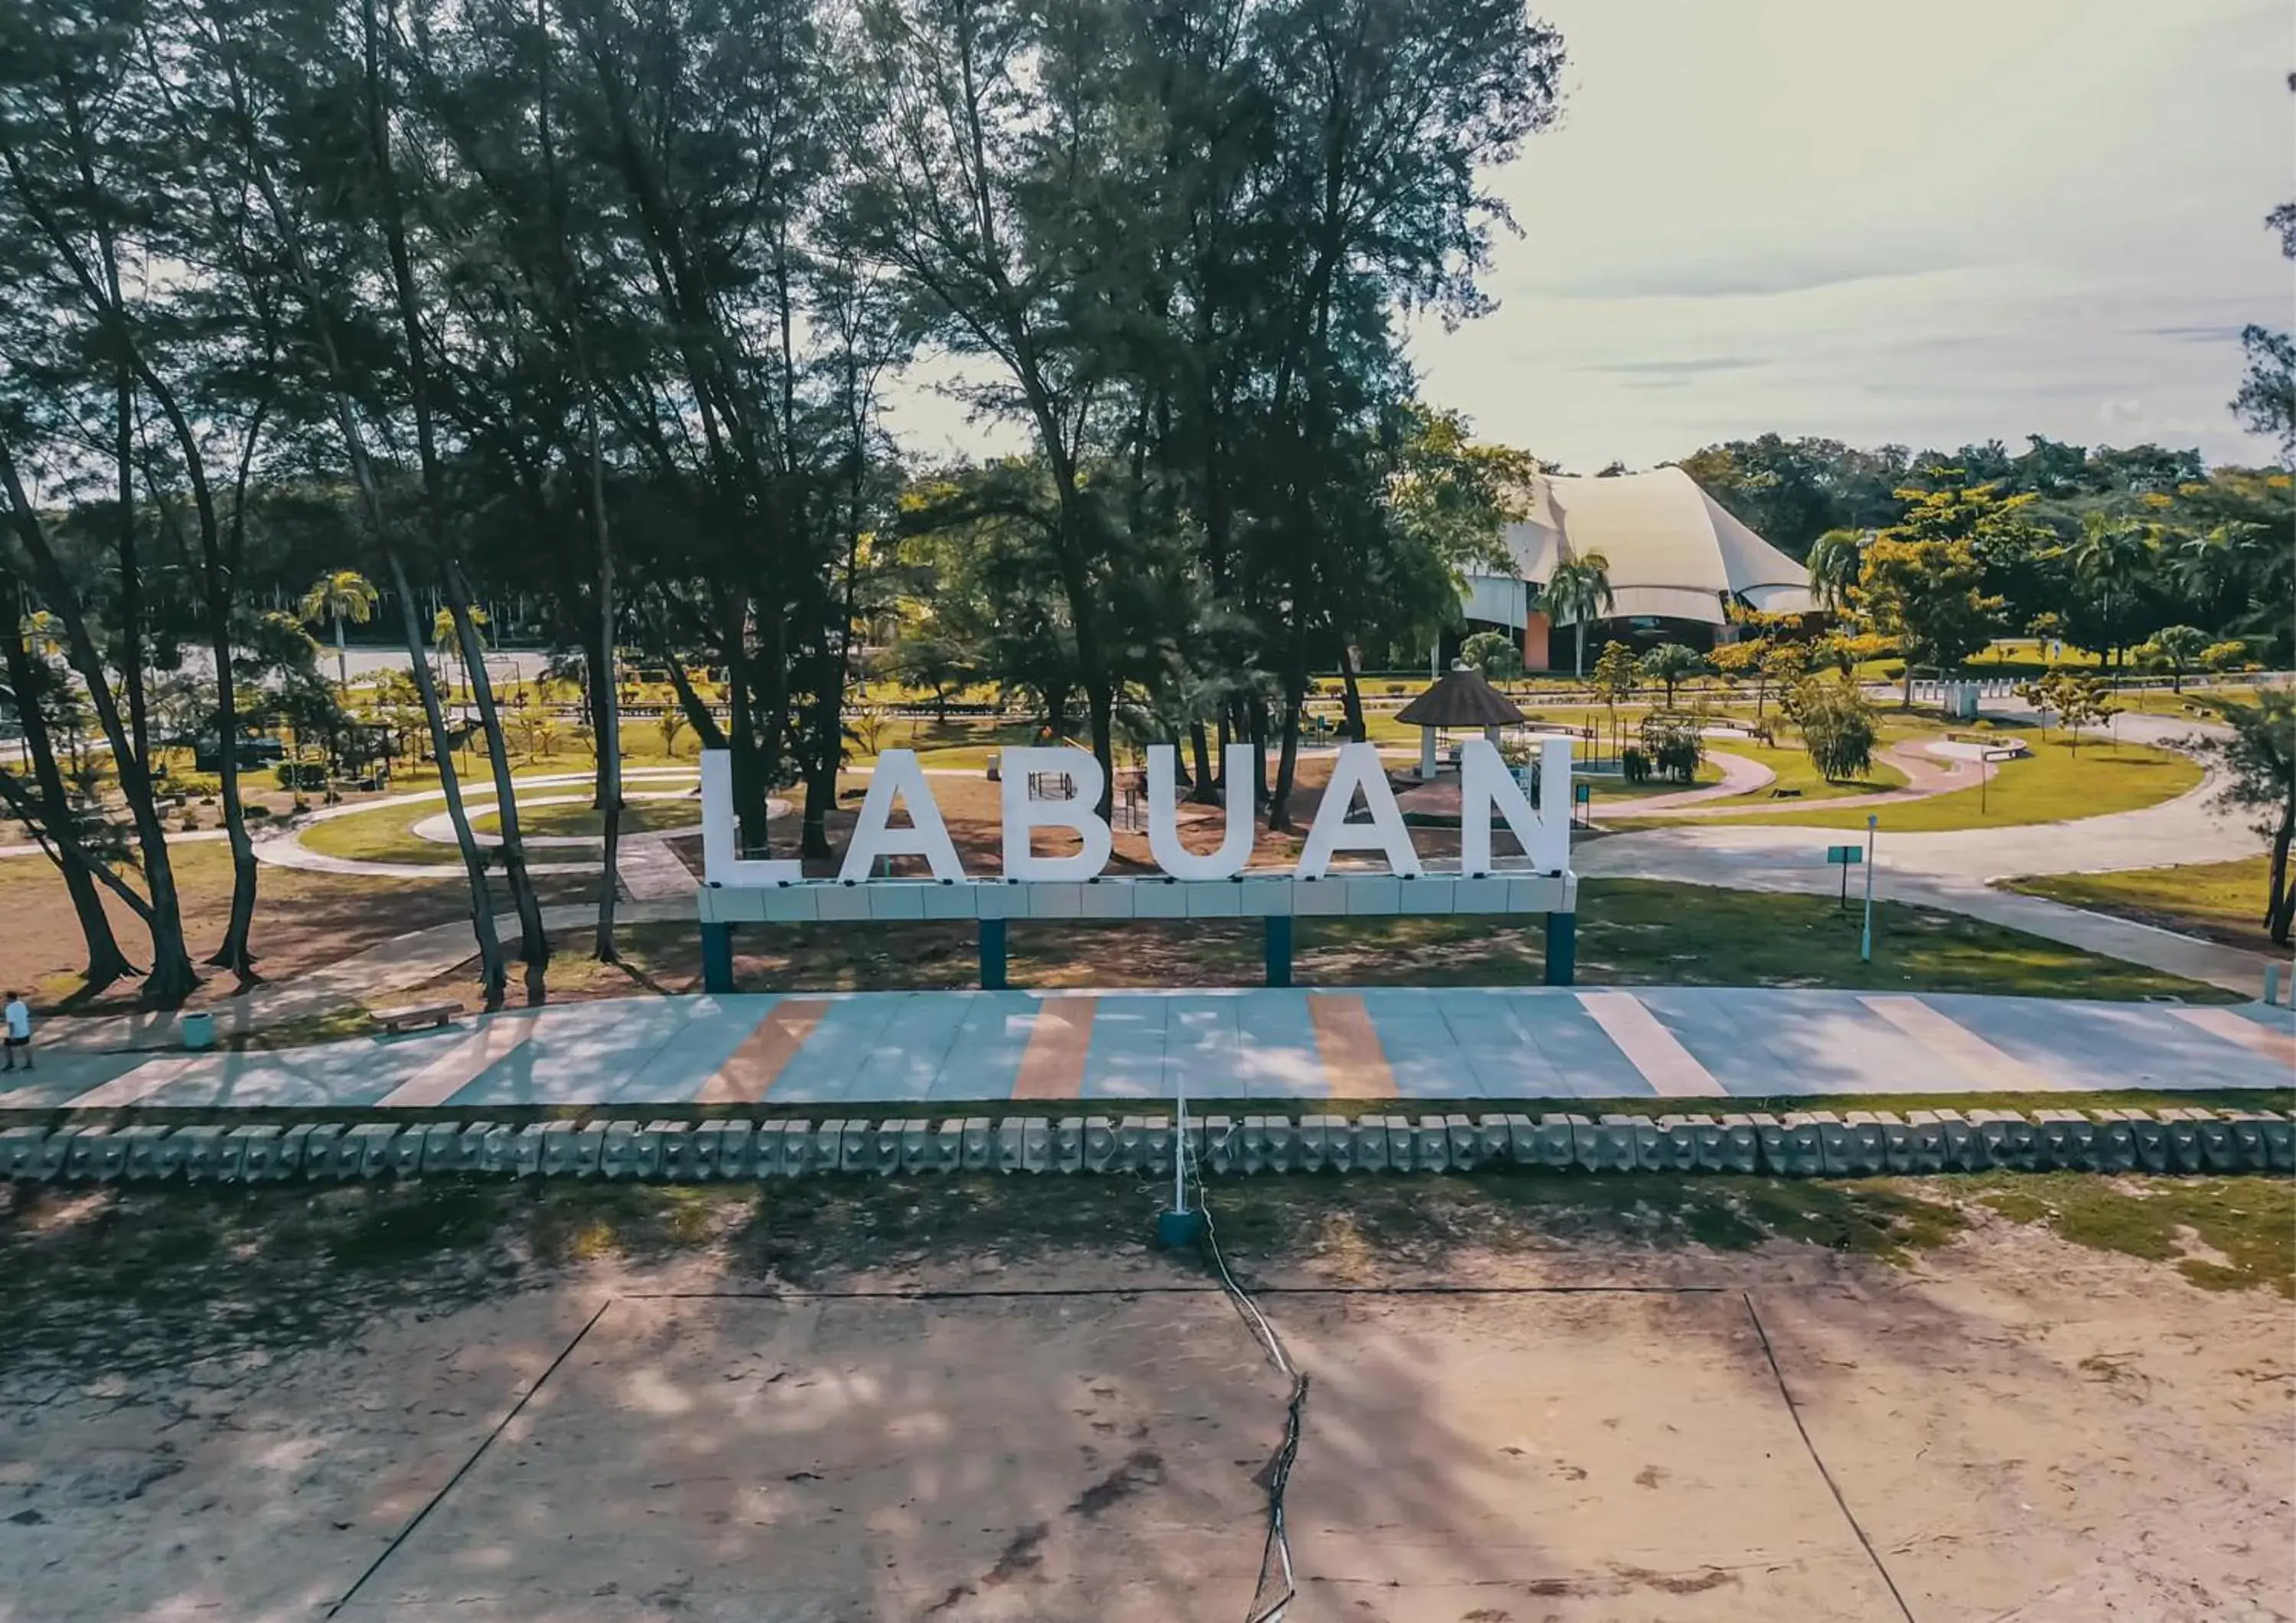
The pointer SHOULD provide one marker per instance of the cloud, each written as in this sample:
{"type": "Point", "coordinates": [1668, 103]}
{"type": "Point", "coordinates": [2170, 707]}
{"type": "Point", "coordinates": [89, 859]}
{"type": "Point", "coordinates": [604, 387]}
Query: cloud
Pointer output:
{"type": "Point", "coordinates": [1671, 372]}
{"type": "Point", "coordinates": [1755, 278]}
{"type": "Point", "coordinates": [2199, 334]}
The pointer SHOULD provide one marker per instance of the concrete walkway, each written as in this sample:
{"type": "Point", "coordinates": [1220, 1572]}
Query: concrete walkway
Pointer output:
{"type": "Point", "coordinates": [1685, 1043]}
{"type": "Point", "coordinates": [173, 836]}
{"type": "Point", "coordinates": [1739, 776]}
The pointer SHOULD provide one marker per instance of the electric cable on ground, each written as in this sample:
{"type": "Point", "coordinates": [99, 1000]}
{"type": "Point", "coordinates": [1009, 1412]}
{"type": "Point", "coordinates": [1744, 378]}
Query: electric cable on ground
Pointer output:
{"type": "Point", "coordinates": [1275, 1549]}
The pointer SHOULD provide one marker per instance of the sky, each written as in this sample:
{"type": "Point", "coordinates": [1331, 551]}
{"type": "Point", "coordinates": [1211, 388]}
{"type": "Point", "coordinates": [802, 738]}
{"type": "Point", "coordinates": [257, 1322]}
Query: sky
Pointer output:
{"type": "Point", "coordinates": [1926, 222]}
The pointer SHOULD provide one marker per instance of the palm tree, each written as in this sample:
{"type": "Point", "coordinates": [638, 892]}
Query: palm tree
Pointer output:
{"type": "Point", "coordinates": [1578, 592]}
{"type": "Point", "coordinates": [344, 595]}
{"type": "Point", "coordinates": [2209, 563]}
{"type": "Point", "coordinates": [2179, 648]}
{"type": "Point", "coordinates": [1836, 559]}
{"type": "Point", "coordinates": [443, 638]}
{"type": "Point", "coordinates": [1671, 663]}
{"type": "Point", "coordinates": [2113, 554]}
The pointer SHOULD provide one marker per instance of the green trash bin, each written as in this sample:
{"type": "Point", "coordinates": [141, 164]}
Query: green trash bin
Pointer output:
{"type": "Point", "coordinates": [199, 1030]}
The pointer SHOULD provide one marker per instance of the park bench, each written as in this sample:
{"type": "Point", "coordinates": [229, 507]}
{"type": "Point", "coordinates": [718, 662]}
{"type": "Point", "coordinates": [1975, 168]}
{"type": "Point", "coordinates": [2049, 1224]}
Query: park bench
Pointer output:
{"type": "Point", "coordinates": [414, 1017]}
{"type": "Point", "coordinates": [1786, 793]}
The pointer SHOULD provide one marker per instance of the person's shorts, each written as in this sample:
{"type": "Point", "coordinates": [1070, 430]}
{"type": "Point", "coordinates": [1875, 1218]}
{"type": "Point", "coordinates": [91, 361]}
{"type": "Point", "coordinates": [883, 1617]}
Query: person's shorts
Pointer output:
{"type": "Point", "coordinates": [19, 1043]}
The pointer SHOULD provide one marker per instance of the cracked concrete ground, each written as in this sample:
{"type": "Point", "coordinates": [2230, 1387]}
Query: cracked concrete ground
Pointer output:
{"type": "Point", "coordinates": [2018, 1429]}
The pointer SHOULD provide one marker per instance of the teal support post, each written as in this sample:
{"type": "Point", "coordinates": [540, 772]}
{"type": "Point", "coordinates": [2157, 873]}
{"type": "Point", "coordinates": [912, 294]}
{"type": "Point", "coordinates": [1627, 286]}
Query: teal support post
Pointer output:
{"type": "Point", "coordinates": [718, 957]}
{"type": "Point", "coordinates": [1561, 948]}
{"type": "Point", "coordinates": [1278, 954]}
{"type": "Point", "coordinates": [992, 955]}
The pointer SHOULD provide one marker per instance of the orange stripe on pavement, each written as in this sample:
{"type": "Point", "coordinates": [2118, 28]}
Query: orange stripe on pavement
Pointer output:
{"type": "Point", "coordinates": [1671, 1069]}
{"type": "Point", "coordinates": [750, 1070]}
{"type": "Point", "coordinates": [451, 1072]}
{"type": "Point", "coordinates": [1981, 1063]}
{"type": "Point", "coordinates": [1355, 1061]}
{"type": "Point", "coordinates": [1051, 1067]}
{"type": "Point", "coordinates": [1053, 1063]}
{"type": "Point", "coordinates": [2272, 1044]}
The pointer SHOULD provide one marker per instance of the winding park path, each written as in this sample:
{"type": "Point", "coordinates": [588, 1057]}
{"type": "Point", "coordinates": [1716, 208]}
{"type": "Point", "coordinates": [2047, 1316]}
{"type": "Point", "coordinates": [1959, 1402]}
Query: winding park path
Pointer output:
{"type": "Point", "coordinates": [1954, 869]}
{"type": "Point", "coordinates": [1926, 774]}
{"type": "Point", "coordinates": [284, 848]}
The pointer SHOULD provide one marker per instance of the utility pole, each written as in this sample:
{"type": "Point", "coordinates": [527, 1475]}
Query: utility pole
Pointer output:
{"type": "Point", "coordinates": [1866, 944]}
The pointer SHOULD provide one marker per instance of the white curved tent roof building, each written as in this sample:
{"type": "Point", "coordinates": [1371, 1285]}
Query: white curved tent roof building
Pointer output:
{"type": "Point", "coordinates": [1674, 552]}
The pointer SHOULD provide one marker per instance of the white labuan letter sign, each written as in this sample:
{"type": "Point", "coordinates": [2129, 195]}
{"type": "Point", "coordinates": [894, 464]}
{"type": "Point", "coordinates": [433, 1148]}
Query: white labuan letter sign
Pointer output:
{"type": "Point", "coordinates": [1486, 785]}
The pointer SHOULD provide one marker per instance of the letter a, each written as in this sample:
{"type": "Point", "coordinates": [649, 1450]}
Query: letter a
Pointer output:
{"type": "Point", "coordinates": [898, 774]}
{"type": "Point", "coordinates": [1358, 767]}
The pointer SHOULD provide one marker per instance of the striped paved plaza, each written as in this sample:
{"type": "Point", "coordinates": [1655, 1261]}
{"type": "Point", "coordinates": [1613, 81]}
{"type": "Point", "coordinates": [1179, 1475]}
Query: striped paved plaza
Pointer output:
{"type": "Point", "coordinates": [1449, 1043]}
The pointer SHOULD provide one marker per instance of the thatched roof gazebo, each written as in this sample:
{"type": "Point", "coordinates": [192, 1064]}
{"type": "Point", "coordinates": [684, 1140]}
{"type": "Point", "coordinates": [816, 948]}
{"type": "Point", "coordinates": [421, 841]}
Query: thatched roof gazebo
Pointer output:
{"type": "Point", "coordinates": [1463, 698]}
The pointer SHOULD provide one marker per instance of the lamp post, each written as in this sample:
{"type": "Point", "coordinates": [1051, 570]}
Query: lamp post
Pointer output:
{"type": "Point", "coordinates": [1865, 941]}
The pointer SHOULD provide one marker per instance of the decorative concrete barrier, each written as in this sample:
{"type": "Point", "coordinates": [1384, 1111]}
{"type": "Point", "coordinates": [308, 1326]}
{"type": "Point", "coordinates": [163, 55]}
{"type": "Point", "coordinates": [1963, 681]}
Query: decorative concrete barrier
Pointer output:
{"type": "Point", "coordinates": [1803, 1145]}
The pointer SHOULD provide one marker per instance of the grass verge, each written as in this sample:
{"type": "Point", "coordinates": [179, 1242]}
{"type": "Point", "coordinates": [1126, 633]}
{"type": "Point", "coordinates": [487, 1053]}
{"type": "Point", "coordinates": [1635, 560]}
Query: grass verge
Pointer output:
{"type": "Point", "coordinates": [2221, 1233]}
{"type": "Point", "coordinates": [2221, 902]}
{"type": "Point", "coordinates": [2056, 784]}
{"type": "Point", "coordinates": [1631, 932]}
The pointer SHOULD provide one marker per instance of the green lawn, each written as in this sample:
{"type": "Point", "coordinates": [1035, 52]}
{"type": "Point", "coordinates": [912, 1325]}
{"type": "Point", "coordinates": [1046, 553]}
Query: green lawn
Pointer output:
{"type": "Point", "coordinates": [2195, 703]}
{"type": "Point", "coordinates": [1795, 771]}
{"type": "Point", "coordinates": [2053, 785]}
{"type": "Point", "coordinates": [2217, 900]}
{"type": "Point", "coordinates": [1631, 932]}
{"type": "Point", "coordinates": [380, 835]}
{"type": "Point", "coordinates": [1611, 791]}
{"type": "Point", "coordinates": [580, 819]}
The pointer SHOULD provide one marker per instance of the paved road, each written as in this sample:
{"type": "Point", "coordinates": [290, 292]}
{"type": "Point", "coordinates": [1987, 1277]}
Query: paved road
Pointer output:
{"type": "Point", "coordinates": [945, 1047]}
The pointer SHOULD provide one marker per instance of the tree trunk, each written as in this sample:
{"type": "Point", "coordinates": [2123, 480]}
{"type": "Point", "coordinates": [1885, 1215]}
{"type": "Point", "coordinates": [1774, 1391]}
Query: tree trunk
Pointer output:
{"type": "Point", "coordinates": [820, 769]}
{"type": "Point", "coordinates": [1101, 694]}
{"type": "Point", "coordinates": [234, 954]}
{"type": "Point", "coordinates": [1204, 792]}
{"type": "Point", "coordinates": [482, 915]}
{"type": "Point", "coordinates": [491, 979]}
{"type": "Point", "coordinates": [594, 704]}
{"type": "Point", "coordinates": [1352, 696]}
{"type": "Point", "coordinates": [821, 783]}
{"type": "Point", "coordinates": [1287, 763]}
{"type": "Point", "coordinates": [534, 940]}
{"type": "Point", "coordinates": [2280, 903]}
{"type": "Point", "coordinates": [751, 808]}
{"type": "Point", "coordinates": [342, 659]}
{"type": "Point", "coordinates": [172, 977]}
{"type": "Point", "coordinates": [1578, 660]}
{"type": "Point", "coordinates": [106, 963]}
{"type": "Point", "coordinates": [1256, 729]}
{"type": "Point", "coordinates": [609, 739]}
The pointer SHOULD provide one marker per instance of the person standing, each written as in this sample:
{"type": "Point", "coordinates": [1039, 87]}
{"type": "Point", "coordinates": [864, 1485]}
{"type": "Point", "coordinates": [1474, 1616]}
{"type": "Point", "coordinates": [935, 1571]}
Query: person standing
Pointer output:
{"type": "Point", "coordinates": [18, 1016]}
